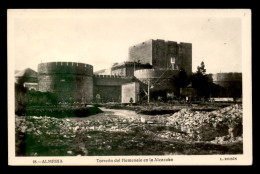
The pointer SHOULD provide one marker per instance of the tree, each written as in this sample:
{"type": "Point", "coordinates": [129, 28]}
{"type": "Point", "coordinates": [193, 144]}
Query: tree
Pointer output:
{"type": "Point", "coordinates": [201, 69]}
{"type": "Point", "coordinates": [200, 81]}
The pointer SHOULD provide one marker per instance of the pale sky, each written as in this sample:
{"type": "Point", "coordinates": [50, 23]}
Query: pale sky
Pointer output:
{"type": "Point", "coordinates": [102, 37]}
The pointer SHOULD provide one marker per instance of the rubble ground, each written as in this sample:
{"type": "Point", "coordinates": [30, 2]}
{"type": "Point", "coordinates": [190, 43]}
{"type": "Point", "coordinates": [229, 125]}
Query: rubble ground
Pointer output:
{"type": "Point", "coordinates": [124, 132]}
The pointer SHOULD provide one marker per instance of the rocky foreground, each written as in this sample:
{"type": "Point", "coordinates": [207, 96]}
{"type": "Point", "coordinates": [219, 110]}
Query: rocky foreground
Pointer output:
{"type": "Point", "coordinates": [220, 126]}
{"type": "Point", "coordinates": [112, 133]}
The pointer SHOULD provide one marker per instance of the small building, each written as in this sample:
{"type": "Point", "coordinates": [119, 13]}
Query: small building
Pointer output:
{"type": "Point", "coordinates": [26, 76]}
{"type": "Point", "coordinates": [130, 92]}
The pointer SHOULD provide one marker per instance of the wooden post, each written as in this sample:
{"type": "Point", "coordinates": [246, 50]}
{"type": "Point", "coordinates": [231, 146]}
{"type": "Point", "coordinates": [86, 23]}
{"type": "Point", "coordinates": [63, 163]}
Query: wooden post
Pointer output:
{"type": "Point", "coordinates": [148, 91]}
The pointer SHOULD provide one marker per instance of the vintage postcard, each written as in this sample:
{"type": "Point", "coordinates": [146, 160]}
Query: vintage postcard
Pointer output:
{"type": "Point", "coordinates": [129, 87]}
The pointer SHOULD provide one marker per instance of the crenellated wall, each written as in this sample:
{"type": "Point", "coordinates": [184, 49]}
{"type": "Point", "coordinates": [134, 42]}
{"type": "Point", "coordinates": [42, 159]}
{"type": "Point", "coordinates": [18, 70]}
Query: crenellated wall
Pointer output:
{"type": "Point", "coordinates": [108, 87]}
{"type": "Point", "coordinates": [73, 81]}
{"type": "Point", "coordinates": [65, 68]}
{"type": "Point", "coordinates": [110, 80]}
{"type": "Point", "coordinates": [69, 80]}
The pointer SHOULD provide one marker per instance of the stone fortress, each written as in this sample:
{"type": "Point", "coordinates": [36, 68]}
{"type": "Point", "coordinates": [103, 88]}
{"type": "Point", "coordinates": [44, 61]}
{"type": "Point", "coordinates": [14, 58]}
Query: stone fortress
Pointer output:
{"type": "Point", "coordinates": [154, 61]}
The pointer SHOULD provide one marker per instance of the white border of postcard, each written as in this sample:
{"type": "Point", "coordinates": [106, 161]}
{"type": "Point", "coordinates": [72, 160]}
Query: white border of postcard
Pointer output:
{"type": "Point", "coordinates": [243, 159]}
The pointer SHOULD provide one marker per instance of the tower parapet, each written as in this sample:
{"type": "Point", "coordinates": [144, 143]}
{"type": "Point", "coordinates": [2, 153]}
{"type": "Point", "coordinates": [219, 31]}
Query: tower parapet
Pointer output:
{"type": "Point", "coordinates": [107, 76]}
{"type": "Point", "coordinates": [65, 68]}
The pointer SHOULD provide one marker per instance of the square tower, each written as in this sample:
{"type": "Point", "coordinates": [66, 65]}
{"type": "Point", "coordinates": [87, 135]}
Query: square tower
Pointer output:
{"type": "Point", "coordinates": [163, 54]}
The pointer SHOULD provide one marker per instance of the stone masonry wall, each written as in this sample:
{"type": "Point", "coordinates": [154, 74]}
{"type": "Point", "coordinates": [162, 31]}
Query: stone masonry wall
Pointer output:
{"type": "Point", "coordinates": [158, 53]}
{"type": "Point", "coordinates": [107, 93]}
{"type": "Point", "coordinates": [141, 52]}
{"type": "Point", "coordinates": [185, 57]}
{"type": "Point", "coordinates": [68, 80]}
{"type": "Point", "coordinates": [108, 87]}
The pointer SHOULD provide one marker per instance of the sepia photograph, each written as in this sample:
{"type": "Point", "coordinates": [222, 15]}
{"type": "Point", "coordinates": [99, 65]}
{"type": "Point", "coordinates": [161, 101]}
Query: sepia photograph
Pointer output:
{"type": "Point", "coordinates": [129, 87]}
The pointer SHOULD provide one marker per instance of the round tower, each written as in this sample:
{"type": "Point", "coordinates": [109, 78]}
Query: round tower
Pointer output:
{"type": "Point", "coordinates": [160, 79]}
{"type": "Point", "coordinates": [228, 79]}
{"type": "Point", "coordinates": [70, 81]}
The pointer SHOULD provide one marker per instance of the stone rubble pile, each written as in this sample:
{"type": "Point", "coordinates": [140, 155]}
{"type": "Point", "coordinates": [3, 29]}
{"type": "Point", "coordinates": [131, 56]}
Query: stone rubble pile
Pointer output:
{"type": "Point", "coordinates": [90, 135]}
{"type": "Point", "coordinates": [38, 125]}
{"type": "Point", "coordinates": [216, 126]}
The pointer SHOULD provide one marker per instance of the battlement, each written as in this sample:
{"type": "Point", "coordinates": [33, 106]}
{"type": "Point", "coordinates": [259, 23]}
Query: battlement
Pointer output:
{"type": "Point", "coordinates": [110, 80]}
{"type": "Point", "coordinates": [131, 64]}
{"type": "Point", "coordinates": [108, 76]}
{"type": "Point", "coordinates": [65, 68]}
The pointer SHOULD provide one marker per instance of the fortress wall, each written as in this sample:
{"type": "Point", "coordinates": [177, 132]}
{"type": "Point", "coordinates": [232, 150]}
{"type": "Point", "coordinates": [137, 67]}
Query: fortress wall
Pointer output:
{"type": "Point", "coordinates": [107, 93]}
{"type": "Point", "coordinates": [158, 53]}
{"type": "Point", "coordinates": [185, 57]}
{"type": "Point", "coordinates": [172, 51]}
{"type": "Point", "coordinates": [141, 52]}
{"type": "Point", "coordinates": [69, 80]}
{"type": "Point", "coordinates": [108, 87]}
{"type": "Point", "coordinates": [110, 80]}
